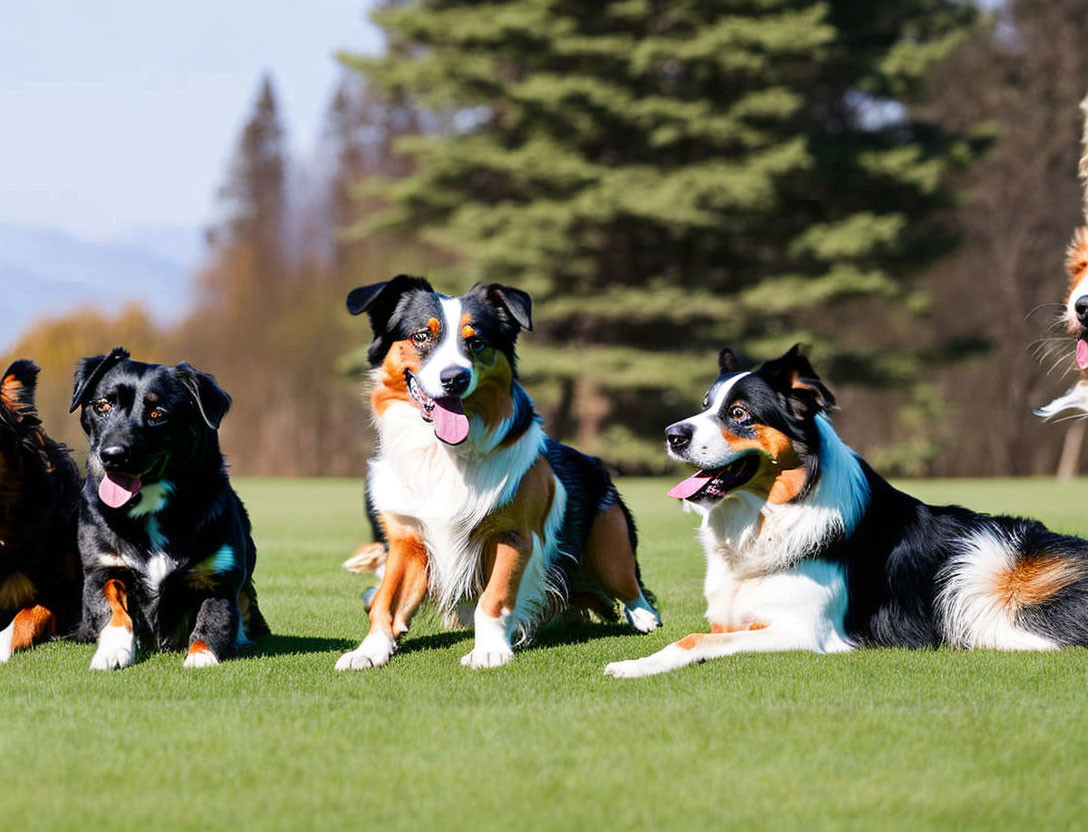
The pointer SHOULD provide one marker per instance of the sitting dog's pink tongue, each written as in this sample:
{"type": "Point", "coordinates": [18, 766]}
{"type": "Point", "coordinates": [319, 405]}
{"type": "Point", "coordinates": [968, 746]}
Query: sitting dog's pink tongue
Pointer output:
{"type": "Point", "coordinates": [691, 486]}
{"type": "Point", "coordinates": [1082, 354]}
{"type": "Point", "coordinates": [117, 489]}
{"type": "Point", "coordinates": [450, 421]}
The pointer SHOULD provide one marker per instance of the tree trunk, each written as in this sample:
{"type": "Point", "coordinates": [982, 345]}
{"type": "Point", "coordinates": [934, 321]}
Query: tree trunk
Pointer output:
{"type": "Point", "coordinates": [1069, 462]}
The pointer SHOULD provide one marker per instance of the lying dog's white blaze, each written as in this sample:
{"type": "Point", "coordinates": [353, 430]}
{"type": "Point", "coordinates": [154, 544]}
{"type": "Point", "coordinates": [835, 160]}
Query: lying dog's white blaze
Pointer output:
{"type": "Point", "coordinates": [708, 448]}
{"type": "Point", "coordinates": [116, 648]}
{"type": "Point", "coordinates": [447, 354]}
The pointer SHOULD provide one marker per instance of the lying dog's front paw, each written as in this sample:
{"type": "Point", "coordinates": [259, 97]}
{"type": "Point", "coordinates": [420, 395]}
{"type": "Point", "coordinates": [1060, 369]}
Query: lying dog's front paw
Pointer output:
{"type": "Point", "coordinates": [116, 649]}
{"type": "Point", "coordinates": [635, 668]}
{"type": "Point", "coordinates": [487, 657]}
{"type": "Point", "coordinates": [375, 651]}
{"type": "Point", "coordinates": [200, 656]}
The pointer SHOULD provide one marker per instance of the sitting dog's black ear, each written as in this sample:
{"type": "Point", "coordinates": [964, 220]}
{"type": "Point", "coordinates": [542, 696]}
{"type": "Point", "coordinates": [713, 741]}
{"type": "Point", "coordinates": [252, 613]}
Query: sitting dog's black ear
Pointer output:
{"type": "Point", "coordinates": [513, 304]}
{"type": "Point", "coordinates": [794, 378]}
{"type": "Point", "coordinates": [379, 301]}
{"type": "Point", "coordinates": [17, 391]}
{"type": "Point", "coordinates": [728, 361]}
{"type": "Point", "coordinates": [89, 372]}
{"type": "Point", "coordinates": [210, 399]}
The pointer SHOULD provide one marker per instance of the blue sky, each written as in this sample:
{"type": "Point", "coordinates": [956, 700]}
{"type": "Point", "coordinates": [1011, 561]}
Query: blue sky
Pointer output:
{"type": "Point", "coordinates": [121, 114]}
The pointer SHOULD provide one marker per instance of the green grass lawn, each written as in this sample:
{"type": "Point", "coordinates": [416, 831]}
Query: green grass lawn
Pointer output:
{"type": "Point", "coordinates": [278, 740]}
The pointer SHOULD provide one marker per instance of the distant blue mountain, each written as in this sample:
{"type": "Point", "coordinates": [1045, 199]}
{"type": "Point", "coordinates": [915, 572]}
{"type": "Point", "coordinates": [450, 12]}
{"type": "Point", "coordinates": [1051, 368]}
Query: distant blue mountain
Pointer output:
{"type": "Point", "coordinates": [46, 272]}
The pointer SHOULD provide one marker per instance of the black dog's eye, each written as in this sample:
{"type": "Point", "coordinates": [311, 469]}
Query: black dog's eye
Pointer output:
{"type": "Point", "coordinates": [421, 337]}
{"type": "Point", "coordinates": [102, 407]}
{"type": "Point", "coordinates": [157, 416]}
{"type": "Point", "coordinates": [738, 413]}
{"type": "Point", "coordinates": [476, 345]}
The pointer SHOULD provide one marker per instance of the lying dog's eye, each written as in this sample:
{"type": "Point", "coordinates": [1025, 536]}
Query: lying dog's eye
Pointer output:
{"type": "Point", "coordinates": [157, 416]}
{"type": "Point", "coordinates": [421, 337]}
{"type": "Point", "coordinates": [102, 407]}
{"type": "Point", "coordinates": [738, 413]}
{"type": "Point", "coordinates": [476, 345]}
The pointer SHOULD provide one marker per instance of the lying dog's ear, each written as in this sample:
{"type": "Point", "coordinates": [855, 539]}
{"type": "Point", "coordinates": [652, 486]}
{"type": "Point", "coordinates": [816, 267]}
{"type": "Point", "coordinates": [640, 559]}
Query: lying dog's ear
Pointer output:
{"type": "Point", "coordinates": [514, 305]}
{"type": "Point", "coordinates": [89, 372]}
{"type": "Point", "coordinates": [728, 361]}
{"type": "Point", "coordinates": [17, 390]}
{"type": "Point", "coordinates": [379, 301]}
{"type": "Point", "coordinates": [210, 399]}
{"type": "Point", "coordinates": [793, 377]}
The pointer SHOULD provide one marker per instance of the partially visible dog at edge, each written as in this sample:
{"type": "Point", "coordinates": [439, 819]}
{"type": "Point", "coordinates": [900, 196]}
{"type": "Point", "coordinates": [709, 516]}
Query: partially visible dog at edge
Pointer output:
{"type": "Point", "coordinates": [167, 552]}
{"type": "Point", "coordinates": [476, 503]}
{"type": "Point", "coordinates": [808, 548]}
{"type": "Point", "coordinates": [40, 578]}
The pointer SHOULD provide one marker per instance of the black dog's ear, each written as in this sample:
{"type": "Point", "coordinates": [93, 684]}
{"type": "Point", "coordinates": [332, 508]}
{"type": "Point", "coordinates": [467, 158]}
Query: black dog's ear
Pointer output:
{"type": "Point", "coordinates": [728, 361]}
{"type": "Point", "coordinates": [210, 399]}
{"type": "Point", "coordinates": [516, 304]}
{"type": "Point", "coordinates": [379, 301]}
{"type": "Point", "coordinates": [17, 390]}
{"type": "Point", "coordinates": [794, 378]}
{"type": "Point", "coordinates": [89, 372]}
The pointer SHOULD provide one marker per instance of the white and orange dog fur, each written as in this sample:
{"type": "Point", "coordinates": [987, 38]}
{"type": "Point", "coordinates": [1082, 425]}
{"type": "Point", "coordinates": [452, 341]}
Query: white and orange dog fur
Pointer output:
{"type": "Point", "coordinates": [476, 503]}
{"type": "Point", "coordinates": [1075, 317]}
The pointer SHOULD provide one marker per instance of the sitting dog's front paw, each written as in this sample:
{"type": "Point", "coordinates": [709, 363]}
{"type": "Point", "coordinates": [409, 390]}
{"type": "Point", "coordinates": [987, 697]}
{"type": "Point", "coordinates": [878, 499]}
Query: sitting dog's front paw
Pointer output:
{"type": "Point", "coordinates": [200, 656]}
{"type": "Point", "coordinates": [375, 651]}
{"type": "Point", "coordinates": [643, 619]}
{"type": "Point", "coordinates": [116, 649]}
{"type": "Point", "coordinates": [487, 657]}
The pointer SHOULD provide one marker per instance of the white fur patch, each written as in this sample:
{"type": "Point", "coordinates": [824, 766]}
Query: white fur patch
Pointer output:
{"type": "Point", "coordinates": [159, 566]}
{"type": "Point", "coordinates": [447, 354]}
{"type": "Point", "coordinates": [116, 649]}
{"type": "Point", "coordinates": [1073, 402]}
{"type": "Point", "coordinates": [492, 647]}
{"type": "Point", "coordinates": [641, 615]}
{"type": "Point", "coordinates": [972, 612]}
{"type": "Point", "coordinates": [374, 651]}
{"type": "Point", "coordinates": [112, 561]}
{"type": "Point", "coordinates": [5, 641]}
{"type": "Point", "coordinates": [708, 448]}
{"type": "Point", "coordinates": [200, 658]}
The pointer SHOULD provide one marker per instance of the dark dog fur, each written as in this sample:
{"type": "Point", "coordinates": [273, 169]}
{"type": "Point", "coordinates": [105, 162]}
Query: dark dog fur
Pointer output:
{"type": "Point", "coordinates": [39, 501]}
{"type": "Point", "coordinates": [167, 553]}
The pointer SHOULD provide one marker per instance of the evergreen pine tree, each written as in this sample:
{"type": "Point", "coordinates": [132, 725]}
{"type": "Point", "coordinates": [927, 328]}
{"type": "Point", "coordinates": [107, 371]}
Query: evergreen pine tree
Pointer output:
{"type": "Point", "coordinates": [675, 175]}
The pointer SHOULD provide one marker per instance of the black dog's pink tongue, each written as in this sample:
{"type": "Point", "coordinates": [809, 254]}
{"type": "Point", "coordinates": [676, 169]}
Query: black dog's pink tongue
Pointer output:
{"type": "Point", "coordinates": [691, 486]}
{"type": "Point", "coordinates": [117, 489]}
{"type": "Point", "coordinates": [450, 421]}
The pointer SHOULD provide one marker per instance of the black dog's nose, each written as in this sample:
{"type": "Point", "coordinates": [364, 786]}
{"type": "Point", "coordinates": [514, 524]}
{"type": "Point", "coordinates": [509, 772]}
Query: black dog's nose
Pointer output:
{"type": "Point", "coordinates": [455, 380]}
{"type": "Point", "coordinates": [114, 456]}
{"type": "Point", "coordinates": [1081, 308]}
{"type": "Point", "coordinates": [678, 435]}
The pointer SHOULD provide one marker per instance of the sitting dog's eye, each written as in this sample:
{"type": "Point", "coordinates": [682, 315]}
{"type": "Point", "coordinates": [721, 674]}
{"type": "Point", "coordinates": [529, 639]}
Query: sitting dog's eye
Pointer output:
{"type": "Point", "coordinates": [421, 337]}
{"type": "Point", "coordinates": [738, 413]}
{"type": "Point", "coordinates": [102, 407]}
{"type": "Point", "coordinates": [476, 345]}
{"type": "Point", "coordinates": [157, 416]}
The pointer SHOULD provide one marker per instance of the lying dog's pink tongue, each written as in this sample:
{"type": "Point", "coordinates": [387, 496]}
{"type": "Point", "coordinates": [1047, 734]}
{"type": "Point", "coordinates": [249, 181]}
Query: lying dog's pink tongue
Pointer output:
{"type": "Point", "coordinates": [691, 486]}
{"type": "Point", "coordinates": [117, 489]}
{"type": "Point", "coordinates": [450, 421]}
{"type": "Point", "coordinates": [1082, 354]}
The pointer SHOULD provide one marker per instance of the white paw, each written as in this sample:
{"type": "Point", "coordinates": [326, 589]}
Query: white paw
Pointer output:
{"type": "Point", "coordinates": [116, 649]}
{"type": "Point", "coordinates": [5, 642]}
{"type": "Point", "coordinates": [643, 619]}
{"type": "Point", "coordinates": [636, 668]}
{"type": "Point", "coordinates": [375, 651]}
{"type": "Point", "coordinates": [200, 658]}
{"type": "Point", "coordinates": [481, 658]}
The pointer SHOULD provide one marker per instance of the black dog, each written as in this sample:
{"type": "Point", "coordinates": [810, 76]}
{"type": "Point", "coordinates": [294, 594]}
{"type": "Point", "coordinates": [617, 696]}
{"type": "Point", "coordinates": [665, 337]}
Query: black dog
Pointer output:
{"type": "Point", "coordinates": [166, 545]}
{"type": "Point", "coordinates": [39, 500]}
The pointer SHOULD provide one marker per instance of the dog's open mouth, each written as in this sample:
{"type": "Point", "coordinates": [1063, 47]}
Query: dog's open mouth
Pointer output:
{"type": "Point", "coordinates": [117, 489]}
{"type": "Point", "coordinates": [446, 413]}
{"type": "Point", "coordinates": [716, 484]}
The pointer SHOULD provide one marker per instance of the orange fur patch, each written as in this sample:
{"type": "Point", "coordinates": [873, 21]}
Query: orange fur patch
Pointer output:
{"type": "Point", "coordinates": [1036, 579]}
{"type": "Point", "coordinates": [390, 385]}
{"type": "Point", "coordinates": [467, 331]}
{"type": "Point", "coordinates": [404, 583]}
{"type": "Point", "coordinates": [434, 325]}
{"type": "Point", "coordinates": [199, 647]}
{"type": "Point", "coordinates": [31, 626]}
{"type": "Point", "coordinates": [692, 641]}
{"type": "Point", "coordinates": [117, 597]}
{"type": "Point", "coordinates": [1076, 258]}
{"type": "Point", "coordinates": [11, 391]}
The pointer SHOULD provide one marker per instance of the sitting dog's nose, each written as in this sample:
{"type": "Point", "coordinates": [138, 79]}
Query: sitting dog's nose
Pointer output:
{"type": "Point", "coordinates": [455, 380]}
{"type": "Point", "coordinates": [114, 456]}
{"type": "Point", "coordinates": [678, 436]}
{"type": "Point", "coordinates": [1081, 308]}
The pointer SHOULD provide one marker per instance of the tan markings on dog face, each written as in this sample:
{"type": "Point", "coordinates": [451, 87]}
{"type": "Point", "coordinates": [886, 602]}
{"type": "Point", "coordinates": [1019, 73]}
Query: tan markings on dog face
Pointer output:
{"type": "Point", "coordinates": [31, 626]}
{"type": "Point", "coordinates": [491, 400]}
{"type": "Point", "coordinates": [780, 476]}
{"type": "Point", "coordinates": [117, 597]}
{"type": "Point", "coordinates": [788, 486]}
{"type": "Point", "coordinates": [467, 331]}
{"type": "Point", "coordinates": [1035, 579]}
{"type": "Point", "coordinates": [17, 591]}
{"type": "Point", "coordinates": [1076, 259]}
{"type": "Point", "coordinates": [434, 325]}
{"type": "Point", "coordinates": [404, 583]}
{"type": "Point", "coordinates": [390, 385]}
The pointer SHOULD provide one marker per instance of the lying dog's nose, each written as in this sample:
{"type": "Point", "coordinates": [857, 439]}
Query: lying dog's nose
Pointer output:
{"type": "Point", "coordinates": [1081, 308]}
{"type": "Point", "coordinates": [455, 380]}
{"type": "Point", "coordinates": [114, 456]}
{"type": "Point", "coordinates": [678, 436]}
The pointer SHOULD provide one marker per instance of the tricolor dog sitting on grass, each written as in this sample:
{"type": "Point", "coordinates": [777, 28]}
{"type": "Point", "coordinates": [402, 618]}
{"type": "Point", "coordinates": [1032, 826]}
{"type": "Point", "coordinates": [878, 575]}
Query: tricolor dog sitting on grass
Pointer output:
{"type": "Point", "coordinates": [808, 548]}
{"type": "Point", "coordinates": [476, 502]}
{"type": "Point", "coordinates": [167, 554]}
